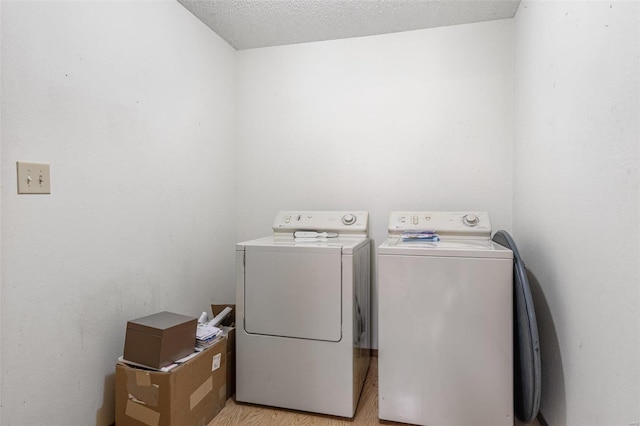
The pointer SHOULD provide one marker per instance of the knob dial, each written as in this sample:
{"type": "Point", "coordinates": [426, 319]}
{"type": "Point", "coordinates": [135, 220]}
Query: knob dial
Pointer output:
{"type": "Point", "coordinates": [470, 220]}
{"type": "Point", "coordinates": [348, 219]}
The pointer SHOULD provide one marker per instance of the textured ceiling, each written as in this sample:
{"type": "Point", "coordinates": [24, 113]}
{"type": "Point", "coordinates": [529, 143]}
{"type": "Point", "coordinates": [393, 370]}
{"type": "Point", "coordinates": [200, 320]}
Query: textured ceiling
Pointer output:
{"type": "Point", "coordinates": [247, 24]}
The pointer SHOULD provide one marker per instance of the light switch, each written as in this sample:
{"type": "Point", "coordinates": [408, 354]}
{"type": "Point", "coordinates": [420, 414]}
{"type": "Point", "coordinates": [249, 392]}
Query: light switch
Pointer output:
{"type": "Point", "coordinates": [33, 178]}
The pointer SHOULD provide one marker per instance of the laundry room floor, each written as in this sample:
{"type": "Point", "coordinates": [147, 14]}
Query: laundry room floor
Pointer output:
{"type": "Point", "coordinates": [367, 413]}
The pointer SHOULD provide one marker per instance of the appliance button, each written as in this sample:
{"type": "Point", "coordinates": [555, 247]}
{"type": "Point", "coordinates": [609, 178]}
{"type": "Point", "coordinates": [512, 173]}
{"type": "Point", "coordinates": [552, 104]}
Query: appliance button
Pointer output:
{"type": "Point", "coordinates": [470, 219]}
{"type": "Point", "coordinates": [348, 219]}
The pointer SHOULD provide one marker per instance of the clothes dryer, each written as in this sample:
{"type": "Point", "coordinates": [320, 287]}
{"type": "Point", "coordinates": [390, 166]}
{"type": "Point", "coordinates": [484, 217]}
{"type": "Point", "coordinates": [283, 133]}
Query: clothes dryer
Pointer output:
{"type": "Point", "coordinates": [445, 336]}
{"type": "Point", "coordinates": [303, 294]}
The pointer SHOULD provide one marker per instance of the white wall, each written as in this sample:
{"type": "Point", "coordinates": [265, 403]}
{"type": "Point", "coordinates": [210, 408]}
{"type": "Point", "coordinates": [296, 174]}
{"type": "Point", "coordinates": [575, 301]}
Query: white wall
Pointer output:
{"type": "Point", "coordinates": [1, 168]}
{"type": "Point", "coordinates": [416, 120]}
{"type": "Point", "coordinates": [576, 202]}
{"type": "Point", "coordinates": [132, 104]}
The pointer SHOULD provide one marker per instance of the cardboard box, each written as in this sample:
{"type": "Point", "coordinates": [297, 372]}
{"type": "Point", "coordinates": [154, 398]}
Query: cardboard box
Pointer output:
{"type": "Point", "coordinates": [229, 328]}
{"type": "Point", "coordinates": [189, 395]}
{"type": "Point", "coordinates": [158, 340]}
{"type": "Point", "coordinates": [230, 333]}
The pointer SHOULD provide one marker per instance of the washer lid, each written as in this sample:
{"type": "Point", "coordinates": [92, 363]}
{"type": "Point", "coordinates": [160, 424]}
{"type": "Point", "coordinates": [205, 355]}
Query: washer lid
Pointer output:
{"type": "Point", "coordinates": [527, 376]}
{"type": "Point", "coordinates": [444, 248]}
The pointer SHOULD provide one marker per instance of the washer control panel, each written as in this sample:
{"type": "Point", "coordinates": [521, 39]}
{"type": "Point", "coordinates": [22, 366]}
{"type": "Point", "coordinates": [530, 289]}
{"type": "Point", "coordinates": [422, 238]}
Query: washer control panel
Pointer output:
{"type": "Point", "coordinates": [342, 222]}
{"type": "Point", "coordinates": [455, 224]}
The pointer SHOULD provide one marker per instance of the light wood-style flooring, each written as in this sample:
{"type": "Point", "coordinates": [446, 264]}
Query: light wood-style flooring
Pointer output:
{"type": "Point", "coordinates": [241, 414]}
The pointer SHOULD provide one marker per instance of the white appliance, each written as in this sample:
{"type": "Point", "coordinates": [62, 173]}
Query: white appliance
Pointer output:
{"type": "Point", "coordinates": [303, 337]}
{"type": "Point", "coordinates": [445, 339]}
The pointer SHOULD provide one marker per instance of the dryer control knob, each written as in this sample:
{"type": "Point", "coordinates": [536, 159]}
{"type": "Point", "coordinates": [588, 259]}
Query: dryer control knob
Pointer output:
{"type": "Point", "coordinates": [348, 219]}
{"type": "Point", "coordinates": [470, 220]}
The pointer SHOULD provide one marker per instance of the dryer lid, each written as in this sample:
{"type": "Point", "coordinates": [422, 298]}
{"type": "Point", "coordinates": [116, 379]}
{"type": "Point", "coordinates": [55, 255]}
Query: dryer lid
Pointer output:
{"type": "Point", "coordinates": [527, 374]}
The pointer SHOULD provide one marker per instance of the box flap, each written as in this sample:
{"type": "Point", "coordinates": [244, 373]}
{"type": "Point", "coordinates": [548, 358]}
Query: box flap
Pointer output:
{"type": "Point", "coordinates": [230, 320]}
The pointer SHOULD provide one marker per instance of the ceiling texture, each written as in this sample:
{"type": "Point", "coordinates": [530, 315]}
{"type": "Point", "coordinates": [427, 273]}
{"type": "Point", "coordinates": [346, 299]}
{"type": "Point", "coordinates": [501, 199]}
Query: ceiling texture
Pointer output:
{"type": "Point", "coordinates": [248, 24]}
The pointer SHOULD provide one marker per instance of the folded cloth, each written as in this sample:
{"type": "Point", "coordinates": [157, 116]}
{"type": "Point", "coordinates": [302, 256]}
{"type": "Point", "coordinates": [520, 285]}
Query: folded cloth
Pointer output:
{"type": "Point", "coordinates": [420, 235]}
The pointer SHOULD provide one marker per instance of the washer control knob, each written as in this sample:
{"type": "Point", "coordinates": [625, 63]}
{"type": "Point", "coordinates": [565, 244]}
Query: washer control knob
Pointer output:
{"type": "Point", "coordinates": [348, 219]}
{"type": "Point", "coordinates": [470, 220]}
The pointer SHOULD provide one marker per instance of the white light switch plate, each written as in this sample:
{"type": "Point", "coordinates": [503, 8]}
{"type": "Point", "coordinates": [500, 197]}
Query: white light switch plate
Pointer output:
{"type": "Point", "coordinates": [33, 178]}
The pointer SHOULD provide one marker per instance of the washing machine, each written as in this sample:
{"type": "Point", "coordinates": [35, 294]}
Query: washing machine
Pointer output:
{"type": "Point", "coordinates": [445, 329]}
{"type": "Point", "coordinates": [303, 295]}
